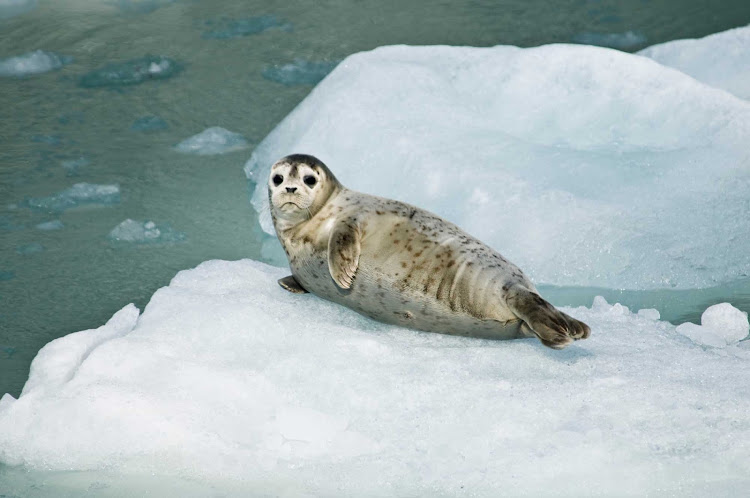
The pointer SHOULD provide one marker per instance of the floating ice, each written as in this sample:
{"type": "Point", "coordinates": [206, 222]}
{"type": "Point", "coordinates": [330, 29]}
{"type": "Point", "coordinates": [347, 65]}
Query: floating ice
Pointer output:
{"type": "Point", "coordinates": [621, 41]}
{"type": "Point", "coordinates": [71, 165]}
{"type": "Point", "coordinates": [214, 140]}
{"type": "Point", "coordinates": [79, 194]}
{"type": "Point", "coordinates": [149, 123]}
{"type": "Point", "coordinates": [721, 324]}
{"type": "Point", "coordinates": [132, 72]}
{"type": "Point", "coordinates": [50, 225]}
{"type": "Point", "coordinates": [583, 165]}
{"type": "Point", "coordinates": [235, 28]}
{"type": "Point", "coordinates": [649, 313]}
{"type": "Point", "coordinates": [227, 378]}
{"type": "Point", "coordinates": [721, 60]}
{"type": "Point", "coordinates": [299, 72]}
{"type": "Point", "coordinates": [144, 232]}
{"type": "Point", "coordinates": [28, 249]}
{"type": "Point", "coordinates": [31, 63]}
{"type": "Point", "coordinates": [12, 8]}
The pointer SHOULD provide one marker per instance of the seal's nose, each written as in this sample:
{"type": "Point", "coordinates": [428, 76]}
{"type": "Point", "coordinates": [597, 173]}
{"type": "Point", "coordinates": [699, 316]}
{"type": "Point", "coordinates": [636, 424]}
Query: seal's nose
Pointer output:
{"type": "Point", "coordinates": [291, 189]}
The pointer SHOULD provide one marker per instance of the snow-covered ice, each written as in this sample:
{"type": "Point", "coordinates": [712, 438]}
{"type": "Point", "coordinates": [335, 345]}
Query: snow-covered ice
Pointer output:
{"type": "Point", "coordinates": [31, 63]}
{"type": "Point", "coordinates": [80, 194]}
{"type": "Point", "coordinates": [621, 41]}
{"type": "Point", "coordinates": [213, 140]}
{"type": "Point", "coordinates": [583, 165]}
{"type": "Point", "coordinates": [144, 232]}
{"type": "Point", "coordinates": [225, 377]}
{"type": "Point", "coordinates": [224, 29]}
{"type": "Point", "coordinates": [299, 72]}
{"type": "Point", "coordinates": [721, 60]}
{"type": "Point", "coordinates": [12, 8]}
{"type": "Point", "coordinates": [50, 225]}
{"type": "Point", "coordinates": [721, 324]}
{"type": "Point", "coordinates": [132, 72]}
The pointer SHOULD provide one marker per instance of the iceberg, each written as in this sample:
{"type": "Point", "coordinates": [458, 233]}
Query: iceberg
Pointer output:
{"type": "Point", "coordinates": [32, 63]}
{"type": "Point", "coordinates": [80, 194]}
{"type": "Point", "coordinates": [132, 72]}
{"type": "Point", "coordinates": [299, 72]}
{"type": "Point", "coordinates": [226, 381]}
{"type": "Point", "coordinates": [620, 41]}
{"type": "Point", "coordinates": [12, 8]}
{"type": "Point", "coordinates": [721, 60]}
{"type": "Point", "coordinates": [225, 29]}
{"type": "Point", "coordinates": [213, 140]}
{"type": "Point", "coordinates": [144, 232]}
{"type": "Point", "coordinates": [583, 165]}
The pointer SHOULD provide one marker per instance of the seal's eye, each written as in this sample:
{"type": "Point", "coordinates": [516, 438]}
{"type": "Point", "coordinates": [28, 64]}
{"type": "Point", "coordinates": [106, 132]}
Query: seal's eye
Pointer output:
{"type": "Point", "coordinates": [310, 181]}
{"type": "Point", "coordinates": [277, 179]}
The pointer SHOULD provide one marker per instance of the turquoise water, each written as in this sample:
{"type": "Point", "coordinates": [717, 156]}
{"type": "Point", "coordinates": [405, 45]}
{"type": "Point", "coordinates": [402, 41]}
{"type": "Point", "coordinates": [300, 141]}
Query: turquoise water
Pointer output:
{"type": "Point", "coordinates": [58, 129]}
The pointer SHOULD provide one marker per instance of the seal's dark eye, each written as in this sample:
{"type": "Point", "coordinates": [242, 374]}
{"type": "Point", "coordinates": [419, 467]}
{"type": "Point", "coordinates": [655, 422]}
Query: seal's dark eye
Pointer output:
{"type": "Point", "coordinates": [277, 179]}
{"type": "Point", "coordinates": [310, 180]}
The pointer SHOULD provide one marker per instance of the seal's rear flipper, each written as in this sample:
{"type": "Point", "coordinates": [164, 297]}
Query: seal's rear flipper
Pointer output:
{"type": "Point", "coordinates": [291, 284]}
{"type": "Point", "coordinates": [553, 327]}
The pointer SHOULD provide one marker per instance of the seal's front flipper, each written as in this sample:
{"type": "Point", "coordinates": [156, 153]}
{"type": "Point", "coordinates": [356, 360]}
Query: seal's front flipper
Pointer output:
{"type": "Point", "coordinates": [553, 327]}
{"type": "Point", "coordinates": [343, 253]}
{"type": "Point", "coordinates": [291, 284]}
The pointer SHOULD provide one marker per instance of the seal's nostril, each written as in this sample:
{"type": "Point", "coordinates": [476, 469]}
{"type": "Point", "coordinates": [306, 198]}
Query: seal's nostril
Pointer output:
{"type": "Point", "coordinates": [291, 189]}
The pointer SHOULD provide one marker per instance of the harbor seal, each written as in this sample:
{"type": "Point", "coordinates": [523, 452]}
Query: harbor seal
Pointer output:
{"type": "Point", "coordinates": [400, 264]}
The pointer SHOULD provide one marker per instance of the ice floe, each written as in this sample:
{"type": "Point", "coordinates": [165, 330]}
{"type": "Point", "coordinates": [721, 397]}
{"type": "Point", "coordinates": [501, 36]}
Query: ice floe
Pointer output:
{"type": "Point", "coordinates": [224, 29]}
{"type": "Point", "coordinates": [583, 165]}
{"type": "Point", "coordinates": [80, 194]}
{"type": "Point", "coordinates": [132, 72]}
{"type": "Point", "coordinates": [299, 72]}
{"type": "Point", "coordinates": [144, 232]}
{"type": "Point", "coordinates": [32, 63]}
{"type": "Point", "coordinates": [621, 41]}
{"type": "Point", "coordinates": [226, 377]}
{"type": "Point", "coordinates": [213, 140]}
{"type": "Point", "coordinates": [721, 60]}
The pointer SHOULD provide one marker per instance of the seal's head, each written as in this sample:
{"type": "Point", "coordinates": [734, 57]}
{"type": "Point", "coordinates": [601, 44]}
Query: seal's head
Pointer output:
{"type": "Point", "coordinates": [298, 187]}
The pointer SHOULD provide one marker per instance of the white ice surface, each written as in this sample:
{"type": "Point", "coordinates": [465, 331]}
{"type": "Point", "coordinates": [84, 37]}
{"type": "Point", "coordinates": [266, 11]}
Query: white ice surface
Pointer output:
{"type": "Point", "coordinates": [213, 140]}
{"type": "Point", "coordinates": [721, 324]}
{"type": "Point", "coordinates": [582, 165]}
{"type": "Point", "coordinates": [31, 63]}
{"type": "Point", "coordinates": [721, 60]}
{"type": "Point", "coordinates": [227, 378]}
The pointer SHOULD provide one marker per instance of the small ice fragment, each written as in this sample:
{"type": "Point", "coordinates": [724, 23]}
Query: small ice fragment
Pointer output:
{"type": "Point", "coordinates": [132, 72]}
{"type": "Point", "coordinates": [77, 195]}
{"type": "Point", "coordinates": [50, 225]}
{"type": "Point", "coordinates": [621, 41]}
{"type": "Point", "coordinates": [139, 232]}
{"type": "Point", "coordinates": [31, 63]}
{"type": "Point", "coordinates": [299, 72]}
{"type": "Point", "coordinates": [235, 28]}
{"type": "Point", "coordinates": [721, 324]}
{"type": "Point", "coordinates": [214, 140]}
{"type": "Point", "coordinates": [71, 165]}
{"type": "Point", "coordinates": [28, 249]}
{"type": "Point", "coordinates": [149, 123]}
{"type": "Point", "coordinates": [600, 303]}
{"type": "Point", "coordinates": [649, 314]}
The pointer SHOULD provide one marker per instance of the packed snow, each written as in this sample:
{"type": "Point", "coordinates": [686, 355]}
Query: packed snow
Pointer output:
{"type": "Point", "coordinates": [132, 72]}
{"type": "Point", "coordinates": [583, 165]}
{"type": "Point", "coordinates": [80, 194]}
{"type": "Point", "coordinates": [621, 41]}
{"type": "Point", "coordinates": [721, 60]}
{"type": "Point", "coordinates": [213, 140]}
{"type": "Point", "coordinates": [299, 72]}
{"type": "Point", "coordinates": [32, 63]}
{"type": "Point", "coordinates": [144, 232]}
{"type": "Point", "coordinates": [226, 377]}
{"type": "Point", "coordinates": [224, 29]}
{"type": "Point", "coordinates": [12, 8]}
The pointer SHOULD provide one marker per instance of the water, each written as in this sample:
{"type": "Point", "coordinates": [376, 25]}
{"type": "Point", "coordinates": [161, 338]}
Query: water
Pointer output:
{"type": "Point", "coordinates": [56, 133]}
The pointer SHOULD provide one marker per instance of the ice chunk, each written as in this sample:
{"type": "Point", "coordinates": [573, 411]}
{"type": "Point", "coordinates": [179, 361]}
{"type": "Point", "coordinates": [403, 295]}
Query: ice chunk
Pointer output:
{"type": "Point", "coordinates": [721, 324]}
{"type": "Point", "coordinates": [79, 194]}
{"type": "Point", "coordinates": [31, 63]}
{"type": "Point", "coordinates": [234, 28]}
{"type": "Point", "coordinates": [50, 225]}
{"type": "Point", "coordinates": [149, 123]}
{"type": "Point", "coordinates": [132, 72]}
{"type": "Point", "coordinates": [226, 377]}
{"type": "Point", "coordinates": [721, 60]}
{"type": "Point", "coordinates": [144, 232]}
{"type": "Point", "coordinates": [214, 140]}
{"type": "Point", "coordinates": [12, 8]}
{"type": "Point", "coordinates": [620, 41]}
{"type": "Point", "coordinates": [71, 165]}
{"type": "Point", "coordinates": [649, 314]}
{"type": "Point", "coordinates": [584, 166]}
{"type": "Point", "coordinates": [28, 249]}
{"type": "Point", "coordinates": [299, 72]}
